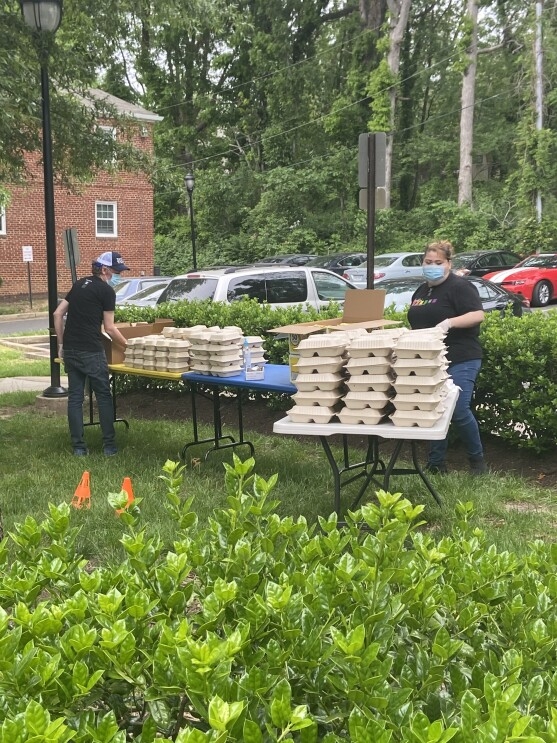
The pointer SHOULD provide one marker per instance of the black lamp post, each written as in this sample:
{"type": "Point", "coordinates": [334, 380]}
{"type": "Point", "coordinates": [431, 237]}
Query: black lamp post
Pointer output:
{"type": "Point", "coordinates": [190, 184]}
{"type": "Point", "coordinates": [43, 17]}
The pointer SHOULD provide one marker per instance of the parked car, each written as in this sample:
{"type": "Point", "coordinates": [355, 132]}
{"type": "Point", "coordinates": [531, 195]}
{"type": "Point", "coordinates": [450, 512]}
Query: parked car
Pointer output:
{"type": "Point", "coordinates": [146, 297]}
{"type": "Point", "coordinates": [280, 286]}
{"type": "Point", "coordinates": [132, 284]}
{"type": "Point", "coordinates": [338, 262]}
{"type": "Point", "coordinates": [386, 266]}
{"type": "Point", "coordinates": [493, 297]}
{"type": "Point", "coordinates": [291, 259]}
{"type": "Point", "coordinates": [482, 262]}
{"type": "Point", "coordinates": [535, 277]}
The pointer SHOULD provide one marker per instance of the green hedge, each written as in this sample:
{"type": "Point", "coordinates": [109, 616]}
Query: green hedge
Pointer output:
{"type": "Point", "coordinates": [516, 393]}
{"type": "Point", "coordinates": [261, 629]}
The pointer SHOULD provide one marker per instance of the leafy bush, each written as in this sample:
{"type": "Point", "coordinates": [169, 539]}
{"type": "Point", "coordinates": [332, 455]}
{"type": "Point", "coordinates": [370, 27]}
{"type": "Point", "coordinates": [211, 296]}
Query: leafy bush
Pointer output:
{"type": "Point", "coordinates": [257, 628]}
{"type": "Point", "coordinates": [516, 394]}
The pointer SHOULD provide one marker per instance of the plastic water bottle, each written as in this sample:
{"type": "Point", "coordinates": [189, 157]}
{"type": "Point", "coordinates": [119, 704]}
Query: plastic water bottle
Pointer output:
{"type": "Point", "coordinates": [247, 354]}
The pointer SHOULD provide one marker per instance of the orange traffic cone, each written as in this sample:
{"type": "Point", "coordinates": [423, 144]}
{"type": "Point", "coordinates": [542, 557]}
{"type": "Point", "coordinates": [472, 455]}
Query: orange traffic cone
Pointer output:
{"type": "Point", "coordinates": [82, 495]}
{"type": "Point", "coordinates": [127, 488]}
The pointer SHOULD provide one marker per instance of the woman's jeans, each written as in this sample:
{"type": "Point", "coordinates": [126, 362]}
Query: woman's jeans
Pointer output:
{"type": "Point", "coordinates": [464, 376]}
{"type": "Point", "coordinates": [81, 365]}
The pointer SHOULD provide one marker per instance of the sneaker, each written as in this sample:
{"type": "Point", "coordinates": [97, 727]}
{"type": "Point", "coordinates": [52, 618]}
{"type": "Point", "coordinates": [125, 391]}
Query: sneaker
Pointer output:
{"type": "Point", "coordinates": [436, 469]}
{"type": "Point", "coordinates": [478, 466]}
{"type": "Point", "coordinates": [110, 451]}
{"type": "Point", "coordinates": [80, 451]}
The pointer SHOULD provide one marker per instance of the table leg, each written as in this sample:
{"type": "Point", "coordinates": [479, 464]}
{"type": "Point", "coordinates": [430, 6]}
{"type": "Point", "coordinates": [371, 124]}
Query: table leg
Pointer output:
{"type": "Point", "coordinates": [417, 470]}
{"type": "Point", "coordinates": [218, 437]}
{"type": "Point", "coordinates": [92, 421]}
{"type": "Point", "coordinates": [371, 458]}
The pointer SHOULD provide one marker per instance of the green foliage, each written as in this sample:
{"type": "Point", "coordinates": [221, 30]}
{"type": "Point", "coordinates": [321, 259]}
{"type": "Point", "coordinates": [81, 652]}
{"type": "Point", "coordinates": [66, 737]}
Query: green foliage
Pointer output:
{"type": "Point", "coordinates": [261, 628]}
{"type": "Point", "coordinates": [516, 393]}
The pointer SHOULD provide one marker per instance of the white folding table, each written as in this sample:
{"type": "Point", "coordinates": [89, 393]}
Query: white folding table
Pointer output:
{"type": "Point", "coordinates": [372, 468]}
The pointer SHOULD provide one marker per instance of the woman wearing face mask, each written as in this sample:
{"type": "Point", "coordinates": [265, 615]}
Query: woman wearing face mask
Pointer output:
{"type": "Point", "coordinates": [89, 305]}
{"type": "Point", "coordinates": [451, 303]}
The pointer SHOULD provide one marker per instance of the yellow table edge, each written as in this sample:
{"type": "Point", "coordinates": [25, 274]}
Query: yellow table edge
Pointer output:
{"type": "Point", "coordinates": [136, 371]}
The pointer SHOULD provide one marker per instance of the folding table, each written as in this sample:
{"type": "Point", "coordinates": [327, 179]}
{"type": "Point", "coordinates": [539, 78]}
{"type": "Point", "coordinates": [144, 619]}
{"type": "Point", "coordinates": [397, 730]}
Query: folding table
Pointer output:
{"type": "Point", "coordinates": [277, 379]}
{"type": "Point", "coordinates": [372, 468]}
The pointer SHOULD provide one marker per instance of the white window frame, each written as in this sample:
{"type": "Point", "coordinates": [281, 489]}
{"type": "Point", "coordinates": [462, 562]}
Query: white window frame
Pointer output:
{"type": "Point", "coordinates": [114, 206]}
{"type": "Point", "coordinates": [2, 220]}
{"type": "Point", "coordinates": [112, 132]}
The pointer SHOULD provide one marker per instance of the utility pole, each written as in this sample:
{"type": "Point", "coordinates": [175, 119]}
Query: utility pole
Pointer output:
{"type": "Point", "coordinates": [539, 89]}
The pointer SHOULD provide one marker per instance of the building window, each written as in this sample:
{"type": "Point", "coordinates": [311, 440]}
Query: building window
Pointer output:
{"type": "Point", "coordinates": [2, 221]}
{"type": "Point", "coordinates": [110, 133]}
{"type": "Point", "coordinates": [107, 219]}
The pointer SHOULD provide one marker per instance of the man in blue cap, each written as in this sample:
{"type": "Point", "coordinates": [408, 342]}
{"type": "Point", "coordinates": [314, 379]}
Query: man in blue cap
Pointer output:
{"type": "Point", "coordinates": [89, 306]}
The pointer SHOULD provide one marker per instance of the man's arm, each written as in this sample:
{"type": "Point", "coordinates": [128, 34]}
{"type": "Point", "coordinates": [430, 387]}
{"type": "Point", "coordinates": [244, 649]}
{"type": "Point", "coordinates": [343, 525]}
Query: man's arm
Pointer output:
{"type": "Point", "coordinates": [58, 317]}
{"type": "Point", "coordinates": [112, 330]}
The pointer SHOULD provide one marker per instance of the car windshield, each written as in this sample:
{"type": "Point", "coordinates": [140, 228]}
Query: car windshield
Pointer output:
{"type": "Point", "coordinates": [539, 261]}
{"type": "Point", "coordinates": [122, 287]}
{"type": "Point", "coordinates": [189, 288]}
{"type": "Point", "coordinates": [384, 260]}
{"type": "Point", "coordinates": [461, 261]}
{"type": "Point", "coordinates": [321, 260]}
{"type": "Point", "coordinates": [151, 289]}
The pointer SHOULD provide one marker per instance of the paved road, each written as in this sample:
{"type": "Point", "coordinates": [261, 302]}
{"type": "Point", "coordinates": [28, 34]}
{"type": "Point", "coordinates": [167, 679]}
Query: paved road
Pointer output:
{"type": "Point", "coordinates": [22, 325]}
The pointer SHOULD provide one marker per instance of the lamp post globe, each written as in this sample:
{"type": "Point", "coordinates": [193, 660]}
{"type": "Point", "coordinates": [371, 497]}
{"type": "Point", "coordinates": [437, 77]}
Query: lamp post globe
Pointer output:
{"type": "Point", "coordinates": [190, 185]}
{"type": "Point", "coordinates": [43, 17]}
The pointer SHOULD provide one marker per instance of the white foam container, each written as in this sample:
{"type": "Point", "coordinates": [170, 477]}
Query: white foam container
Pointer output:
{"type": "Point", "coordinates": [320, 364]}
{"type": "Point", "coordinates": [309, 382]}
{"type": "Point", "coordinates": [321, 345]}
{"type": "Point", "coordinates": [419, 367]}
{"type": "Point", "coordinates": [360, 400]}
{"type": "Point", "coordinates": [370, 364]}
{"type": "Point", "coordinates": [311, 414]}
{"type": "Point", "coordinates": [327, 398]}
{"type": "Point", "coordinates": [409, 385]}
{"type": "Point", "coordinates": [418, 418]}
{"type": "Point", "coordinates": [372, 382]}
{"type": "Point", "coordinates": [366, 416]}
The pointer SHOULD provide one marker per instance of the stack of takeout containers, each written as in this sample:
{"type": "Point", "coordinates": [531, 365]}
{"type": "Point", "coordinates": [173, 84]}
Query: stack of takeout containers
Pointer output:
{"type": "Point", "coordinates": [320, 378]}
{"type": "Point", "coordinates": [158, 353]}
{"type": "Point", "coordinates": [370, 378]}
{"type": "Point", "coordinates": [421, 378]}
{"type": "Point", "coordinates": [216, 351]}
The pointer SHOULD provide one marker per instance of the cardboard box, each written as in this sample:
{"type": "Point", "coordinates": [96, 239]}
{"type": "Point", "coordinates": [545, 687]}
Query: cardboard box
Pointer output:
{"type": "Point", "coordinates": [115, 353]}
{"type": "Point", "coordinates": [363, 308]}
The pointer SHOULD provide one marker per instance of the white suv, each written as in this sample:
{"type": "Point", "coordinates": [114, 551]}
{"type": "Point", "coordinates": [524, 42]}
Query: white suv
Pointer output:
{"type": "Point", "coordinates": [279, 286]}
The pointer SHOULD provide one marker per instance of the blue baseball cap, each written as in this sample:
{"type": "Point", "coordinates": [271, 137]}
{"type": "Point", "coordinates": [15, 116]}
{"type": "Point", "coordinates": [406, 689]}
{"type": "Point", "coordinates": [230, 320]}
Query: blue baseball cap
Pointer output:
{"type": "Point", "coordinates": [111, 259]}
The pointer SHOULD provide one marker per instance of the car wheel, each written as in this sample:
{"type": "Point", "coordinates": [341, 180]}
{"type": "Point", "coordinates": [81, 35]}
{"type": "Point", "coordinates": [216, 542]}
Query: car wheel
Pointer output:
{"type": "Point", "coordinates": [541, 294]}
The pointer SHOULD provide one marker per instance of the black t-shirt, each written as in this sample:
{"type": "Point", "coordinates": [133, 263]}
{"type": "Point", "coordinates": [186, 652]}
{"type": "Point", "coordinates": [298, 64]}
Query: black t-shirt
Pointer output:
{"type": "Point", "coordinates": [455, 296]}
{"type": "Point", "coordinates": [88, 298]}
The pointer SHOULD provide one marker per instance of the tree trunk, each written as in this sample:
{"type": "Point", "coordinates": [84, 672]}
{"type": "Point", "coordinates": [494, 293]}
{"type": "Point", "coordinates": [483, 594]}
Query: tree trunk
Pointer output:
{"type": "Point", "coordinates": [400, 11]}
{"type": "Point", "coordinates": [467, 101]}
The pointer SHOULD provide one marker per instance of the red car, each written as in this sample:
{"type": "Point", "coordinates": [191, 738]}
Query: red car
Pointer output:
{"type": "Point", "coordinates": [535, 278]}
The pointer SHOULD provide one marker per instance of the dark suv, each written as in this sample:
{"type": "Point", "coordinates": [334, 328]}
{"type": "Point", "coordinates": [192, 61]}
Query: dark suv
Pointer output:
{"type": "Point", "coordinates": [480, 262]}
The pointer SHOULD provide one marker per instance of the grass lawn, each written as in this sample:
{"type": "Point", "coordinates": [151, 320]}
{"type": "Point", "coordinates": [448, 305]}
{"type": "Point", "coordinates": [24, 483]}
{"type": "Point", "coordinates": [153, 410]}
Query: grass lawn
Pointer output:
{"type": "Point", "coordinates": [37, 467]}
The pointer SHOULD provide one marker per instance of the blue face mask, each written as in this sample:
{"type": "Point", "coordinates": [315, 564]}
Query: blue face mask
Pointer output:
{"type": "Point", "coordinates": [433, 273]}
{"type": "Point", "coordinates": [115, 279]}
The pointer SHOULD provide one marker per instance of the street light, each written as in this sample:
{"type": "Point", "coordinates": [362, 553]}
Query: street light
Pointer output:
{"type": "Point", "coordinates": [190, 183]}
{"type": "Point", "coordinates": [43, 18]}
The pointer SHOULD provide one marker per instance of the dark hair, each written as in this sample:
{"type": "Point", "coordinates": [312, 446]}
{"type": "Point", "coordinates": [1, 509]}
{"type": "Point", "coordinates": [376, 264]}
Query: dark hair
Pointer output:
{"type": "Point", "coordinates": [96, 269]}
{"type": "Point", "coordinates": [442, 246]}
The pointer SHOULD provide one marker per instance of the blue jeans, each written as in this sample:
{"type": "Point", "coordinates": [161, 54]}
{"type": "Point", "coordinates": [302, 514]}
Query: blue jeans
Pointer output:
{"type": "Point", "coordinates": [464, 376]}
{"type": "Point", "coordinates": [81, 365]}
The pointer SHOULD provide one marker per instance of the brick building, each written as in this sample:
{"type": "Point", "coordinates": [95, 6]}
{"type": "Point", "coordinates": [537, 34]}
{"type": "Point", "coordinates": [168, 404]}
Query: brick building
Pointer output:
{"type": "Point", "coordinates": [114, 212]}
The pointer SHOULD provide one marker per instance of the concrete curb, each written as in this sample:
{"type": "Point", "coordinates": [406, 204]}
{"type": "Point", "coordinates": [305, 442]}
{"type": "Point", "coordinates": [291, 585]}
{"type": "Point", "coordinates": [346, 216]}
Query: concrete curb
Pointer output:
{"type": "Point", "coordinates": [23, 315]}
